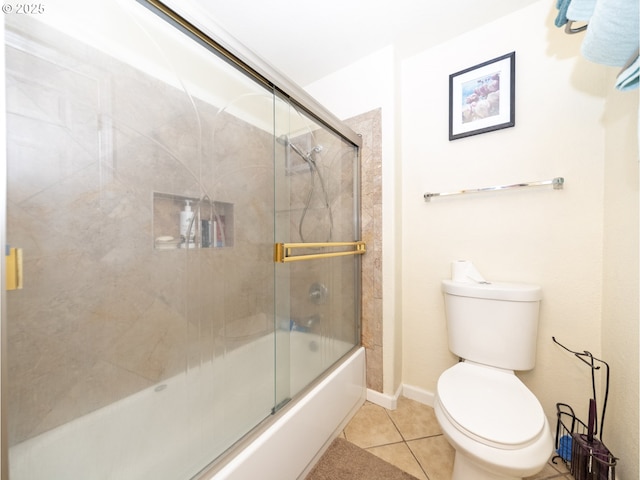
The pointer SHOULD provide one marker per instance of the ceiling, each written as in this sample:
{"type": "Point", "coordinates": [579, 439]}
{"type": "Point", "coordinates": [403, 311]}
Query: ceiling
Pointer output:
{"type": "Point", "coordinates": [308, 39]}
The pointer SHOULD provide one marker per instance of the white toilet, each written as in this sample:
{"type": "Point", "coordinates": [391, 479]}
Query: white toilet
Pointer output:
{"type": "Point", "coordinates": [495, 424]}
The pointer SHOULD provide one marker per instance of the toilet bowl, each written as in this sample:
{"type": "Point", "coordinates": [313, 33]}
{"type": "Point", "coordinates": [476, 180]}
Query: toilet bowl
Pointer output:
{"type": "Point", "coordinates": [495, 424]}
{"type": "Point", "coordinates": [493, 421]}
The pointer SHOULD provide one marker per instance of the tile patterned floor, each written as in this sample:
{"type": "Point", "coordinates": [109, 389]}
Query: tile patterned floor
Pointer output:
{"type": "Point", "coordinates": [410, 438]}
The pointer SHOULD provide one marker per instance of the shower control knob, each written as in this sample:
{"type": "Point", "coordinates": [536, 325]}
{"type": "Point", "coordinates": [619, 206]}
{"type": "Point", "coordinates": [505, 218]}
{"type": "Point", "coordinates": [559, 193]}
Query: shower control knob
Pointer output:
{"type": "Point", "coordinates": [318, 293]}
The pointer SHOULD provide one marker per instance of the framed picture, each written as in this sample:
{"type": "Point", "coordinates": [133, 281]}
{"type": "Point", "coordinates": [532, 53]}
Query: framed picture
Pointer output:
{"type": "Point", "coordinates": [482, 98]}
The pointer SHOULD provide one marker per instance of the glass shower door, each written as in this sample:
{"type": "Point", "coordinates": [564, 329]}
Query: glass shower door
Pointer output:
{"type": "Point", "coordinates": [317, 275]}
{"type": "Point", "coordinates": [140, 191]}
{"type": "Point", "coordinates": [148, 181]}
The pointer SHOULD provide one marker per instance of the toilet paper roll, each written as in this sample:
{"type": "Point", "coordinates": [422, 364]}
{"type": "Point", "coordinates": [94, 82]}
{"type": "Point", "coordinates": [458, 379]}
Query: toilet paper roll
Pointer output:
{"type": "Point", "coordinates": [465, 272]}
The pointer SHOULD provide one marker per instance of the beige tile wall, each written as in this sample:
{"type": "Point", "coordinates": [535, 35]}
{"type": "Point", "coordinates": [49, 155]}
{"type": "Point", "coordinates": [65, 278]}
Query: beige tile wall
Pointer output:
{"type": "Point", "coordinates": [369, 126]}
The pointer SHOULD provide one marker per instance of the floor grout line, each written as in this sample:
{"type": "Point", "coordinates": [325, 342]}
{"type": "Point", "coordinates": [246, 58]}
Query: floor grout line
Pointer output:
{"type": "Point", "coordinates": [417, 461]}
{"type": "Point", "coordinates": [385, 444]}
{"type": "Point", "coordinates": [405, 442]}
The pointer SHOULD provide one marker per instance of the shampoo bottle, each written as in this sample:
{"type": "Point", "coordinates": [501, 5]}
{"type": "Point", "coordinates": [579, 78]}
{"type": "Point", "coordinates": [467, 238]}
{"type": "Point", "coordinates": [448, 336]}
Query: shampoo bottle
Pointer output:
{"type": "Point", "coordinates": [186, 215]}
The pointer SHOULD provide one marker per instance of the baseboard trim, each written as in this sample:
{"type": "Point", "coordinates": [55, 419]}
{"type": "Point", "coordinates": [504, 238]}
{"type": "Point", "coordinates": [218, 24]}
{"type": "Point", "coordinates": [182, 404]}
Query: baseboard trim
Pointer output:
{"type": "Point", "coordinates": [419, 395]}
{"type": "Point", "coordinates": [390, 402]}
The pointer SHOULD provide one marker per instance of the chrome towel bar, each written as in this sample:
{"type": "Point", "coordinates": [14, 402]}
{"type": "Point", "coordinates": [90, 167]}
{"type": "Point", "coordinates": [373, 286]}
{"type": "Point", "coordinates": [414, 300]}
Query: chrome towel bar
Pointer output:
{"type": "Point", "coordinates": [557, 183]}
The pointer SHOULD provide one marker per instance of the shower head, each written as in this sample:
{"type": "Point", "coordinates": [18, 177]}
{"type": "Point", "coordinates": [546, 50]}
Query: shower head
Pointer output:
{"type": "Point", "coordinates": [284, 140]}
{"type": "Point", "coordinates": [314, 171]}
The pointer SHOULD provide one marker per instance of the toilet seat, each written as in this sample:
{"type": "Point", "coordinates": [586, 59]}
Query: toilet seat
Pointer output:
{"type": "Point", "coordinates": [491, 405]}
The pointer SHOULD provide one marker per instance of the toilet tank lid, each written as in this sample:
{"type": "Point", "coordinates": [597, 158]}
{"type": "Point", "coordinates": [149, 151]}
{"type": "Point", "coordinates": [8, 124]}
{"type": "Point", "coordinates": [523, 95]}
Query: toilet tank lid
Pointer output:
{"type": "Point", "coordinates": [515, 292]}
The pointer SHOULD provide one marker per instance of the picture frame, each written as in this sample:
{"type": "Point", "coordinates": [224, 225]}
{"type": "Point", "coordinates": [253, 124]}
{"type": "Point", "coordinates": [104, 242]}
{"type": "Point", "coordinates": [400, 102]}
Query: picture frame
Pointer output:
{"type": "Point", "coordinates": [482, 97]}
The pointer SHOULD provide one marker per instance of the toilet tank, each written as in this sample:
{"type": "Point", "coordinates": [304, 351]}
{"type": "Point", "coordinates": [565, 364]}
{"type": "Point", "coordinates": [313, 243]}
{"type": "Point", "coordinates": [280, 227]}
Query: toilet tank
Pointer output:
{"type": "Point", "coordinates": [493, 324]}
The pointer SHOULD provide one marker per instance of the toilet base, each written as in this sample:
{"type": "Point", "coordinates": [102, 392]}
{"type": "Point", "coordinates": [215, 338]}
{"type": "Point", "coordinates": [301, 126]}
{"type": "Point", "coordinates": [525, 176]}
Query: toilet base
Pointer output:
{"type": "Point", "coordinates": [465, 469]}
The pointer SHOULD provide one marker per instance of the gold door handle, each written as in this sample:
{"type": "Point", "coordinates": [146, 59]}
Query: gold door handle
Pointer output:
{"type": "Point", "coordinates": [282, 252]}
{"type": "Point", "coordinates": [13, 265]}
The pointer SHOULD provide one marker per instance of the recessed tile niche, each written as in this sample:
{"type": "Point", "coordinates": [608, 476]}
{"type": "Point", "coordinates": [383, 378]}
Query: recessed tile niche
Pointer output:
{"type": "Point", "coordinates": [212, 224]}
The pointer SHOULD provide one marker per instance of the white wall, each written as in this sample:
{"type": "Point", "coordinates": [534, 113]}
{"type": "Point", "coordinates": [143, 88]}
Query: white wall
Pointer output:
{"type": "Point", "coordinates": [620, 335]}
{"type": "Point", "coordinates": [552, 238]}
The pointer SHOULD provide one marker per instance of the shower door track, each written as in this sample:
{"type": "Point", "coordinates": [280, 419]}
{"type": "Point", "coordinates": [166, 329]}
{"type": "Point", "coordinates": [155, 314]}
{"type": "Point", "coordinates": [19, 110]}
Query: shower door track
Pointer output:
{"type": "Point", "coordinates": [254, 68]}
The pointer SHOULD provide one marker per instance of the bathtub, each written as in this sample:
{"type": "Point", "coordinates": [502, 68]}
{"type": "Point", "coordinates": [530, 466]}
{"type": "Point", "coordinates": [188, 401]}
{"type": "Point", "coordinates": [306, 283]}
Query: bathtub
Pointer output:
{"type": "Point", "coordinates": [142, 436]}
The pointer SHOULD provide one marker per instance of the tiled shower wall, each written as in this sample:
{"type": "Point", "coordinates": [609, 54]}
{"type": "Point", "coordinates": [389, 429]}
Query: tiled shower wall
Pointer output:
{"type": "Point", "coordinates": [370, 127]}
{"type": "Point", "coordinates": [335, 179]}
